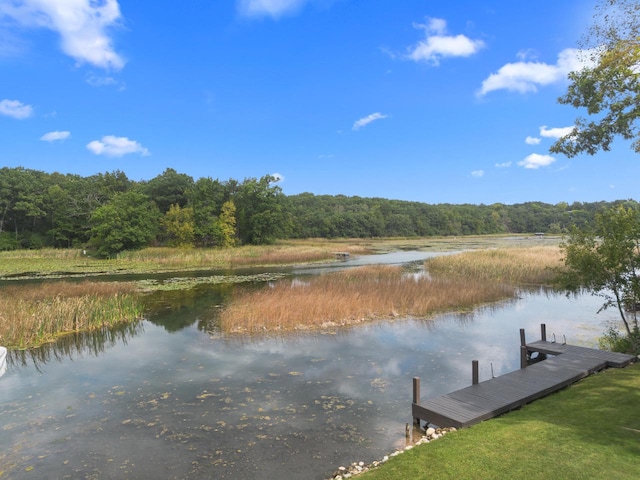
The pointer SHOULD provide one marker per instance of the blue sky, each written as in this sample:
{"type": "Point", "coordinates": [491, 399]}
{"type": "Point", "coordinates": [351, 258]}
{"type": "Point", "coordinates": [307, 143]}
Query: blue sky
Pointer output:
{"type": "Point", "coordinates": [433, 101]}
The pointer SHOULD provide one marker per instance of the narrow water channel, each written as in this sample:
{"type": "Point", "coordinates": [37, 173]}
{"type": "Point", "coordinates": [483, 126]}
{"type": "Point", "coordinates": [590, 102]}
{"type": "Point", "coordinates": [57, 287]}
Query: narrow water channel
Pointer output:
{"type": "Point", "coordinates": [171, 398]}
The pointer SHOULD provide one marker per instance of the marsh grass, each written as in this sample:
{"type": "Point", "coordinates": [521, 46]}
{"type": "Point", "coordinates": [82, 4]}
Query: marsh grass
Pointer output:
{"type": "Point", "coordinates": [36, 314]}
{"type": "Point", "coordinates": [352, 296]}
{"type": "Point", "coordinates": [514, 266]}
{"type": "Point", "coordinates": [56, 263]}
{"type": "Point", "coordinates": [456, 282]}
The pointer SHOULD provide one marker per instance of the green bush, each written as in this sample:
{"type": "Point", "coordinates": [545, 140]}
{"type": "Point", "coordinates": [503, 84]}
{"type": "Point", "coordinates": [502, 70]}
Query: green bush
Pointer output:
{"type": "Point", "coordinates": [616, 341]}
{"type": "Point", "coordinates": [8, 241]}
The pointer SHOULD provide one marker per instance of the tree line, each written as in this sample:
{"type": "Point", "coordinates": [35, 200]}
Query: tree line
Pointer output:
{"type": "Point", "coordinates": [109, 212]}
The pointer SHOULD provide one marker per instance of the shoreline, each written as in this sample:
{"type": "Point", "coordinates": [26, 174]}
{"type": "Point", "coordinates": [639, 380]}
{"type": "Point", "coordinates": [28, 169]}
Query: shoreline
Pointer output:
{"type": "Point", "coordinates": [431, 434]}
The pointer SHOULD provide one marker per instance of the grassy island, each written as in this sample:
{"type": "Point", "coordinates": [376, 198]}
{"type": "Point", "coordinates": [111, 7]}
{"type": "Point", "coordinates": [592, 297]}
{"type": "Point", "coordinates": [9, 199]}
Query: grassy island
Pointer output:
{"type": "Point", "coordinates": [39, 313]}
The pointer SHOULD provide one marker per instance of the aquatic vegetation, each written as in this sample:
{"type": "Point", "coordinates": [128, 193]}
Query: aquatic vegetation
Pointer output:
{"type": "Point", "coordinates": [353, 296]}
{"type": "Point", "coordinates": [183, 283]}
{"type": "Point", "coordinates": [31, 315]}
{"type": "Point", "coordinates": [515, 266]}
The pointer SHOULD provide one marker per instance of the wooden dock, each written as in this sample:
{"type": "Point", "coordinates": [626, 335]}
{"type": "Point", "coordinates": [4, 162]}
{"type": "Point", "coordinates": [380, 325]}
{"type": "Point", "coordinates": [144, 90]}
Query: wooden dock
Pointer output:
{"type": "Point", "coordinates": [488, 399]}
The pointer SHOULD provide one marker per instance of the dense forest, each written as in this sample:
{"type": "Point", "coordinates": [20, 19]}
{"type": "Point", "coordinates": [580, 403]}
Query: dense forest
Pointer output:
{"type": "Point", "coordinates": [107, 213]}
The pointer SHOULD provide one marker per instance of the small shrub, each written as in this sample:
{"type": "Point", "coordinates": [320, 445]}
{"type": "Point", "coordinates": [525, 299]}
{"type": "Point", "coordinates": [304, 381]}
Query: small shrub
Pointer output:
{"type": "Point", "coordinates": [616, 341]}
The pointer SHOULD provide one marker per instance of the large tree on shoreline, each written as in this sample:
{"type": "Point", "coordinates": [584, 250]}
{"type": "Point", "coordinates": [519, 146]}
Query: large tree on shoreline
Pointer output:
{"type": "Point", "coordinates": [605, 260]}
{"type": "Point", "coordinates": [609, 89]}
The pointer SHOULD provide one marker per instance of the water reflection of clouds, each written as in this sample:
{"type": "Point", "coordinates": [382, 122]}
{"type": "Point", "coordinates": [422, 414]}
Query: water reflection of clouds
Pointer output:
{"type": "Point", "coordinates": [313, 385]}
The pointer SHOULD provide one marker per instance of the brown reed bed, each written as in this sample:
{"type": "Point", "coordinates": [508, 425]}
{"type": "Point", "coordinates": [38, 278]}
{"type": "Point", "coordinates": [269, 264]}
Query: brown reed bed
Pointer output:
{"type": "Point", "coordinates": [353, 296]}
{"type": "Point", "coordinates": [538, 265]}
{"type": "Point", "coordinates": [36, 314]}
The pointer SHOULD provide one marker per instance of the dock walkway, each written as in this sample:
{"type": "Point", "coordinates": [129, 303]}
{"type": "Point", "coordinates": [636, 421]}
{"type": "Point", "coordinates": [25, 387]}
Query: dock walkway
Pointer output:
{"type": "Point", "coordinates": [499, 395]}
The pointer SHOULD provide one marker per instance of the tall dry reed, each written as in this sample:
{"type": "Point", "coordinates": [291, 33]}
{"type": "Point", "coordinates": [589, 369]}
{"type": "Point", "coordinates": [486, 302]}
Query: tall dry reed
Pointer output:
{"type": "Point", "coordinates": [515, 266]}
{"type": "Point", "coordinates": [352, 296]}
{"type": "Point", "coordinates": [245, 256]}
{"type": "Point", "coordinates": [36, 314]}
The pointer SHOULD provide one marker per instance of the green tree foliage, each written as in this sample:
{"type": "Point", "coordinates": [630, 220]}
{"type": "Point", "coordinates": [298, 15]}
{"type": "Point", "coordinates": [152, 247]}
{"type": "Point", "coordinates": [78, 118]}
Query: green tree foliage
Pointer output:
{"type": "Point", "coordinates": [41, 209]}
{"type": "Point", "coordinates": [227, 225]}
{"type": "Point", "coordinates": [206, 198]}
{"type": "Point", "coordinates": [169, 188]}
{"type": "Point", "coordinates": [260, 211]}
{"type": "Point", "coordinates": [127, 222]}
{"type": "Point", "coordinates": [605, 260]}
{"type": "Point", "coordinates": [609, 90]}
{"type": "Point", "coordinates": [179, 226]}
{"type": "Point", "coordinates": [22, 202]}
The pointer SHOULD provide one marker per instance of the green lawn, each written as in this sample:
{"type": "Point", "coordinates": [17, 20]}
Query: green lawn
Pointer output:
{"type": "Point", "coordinates": [590, 430]}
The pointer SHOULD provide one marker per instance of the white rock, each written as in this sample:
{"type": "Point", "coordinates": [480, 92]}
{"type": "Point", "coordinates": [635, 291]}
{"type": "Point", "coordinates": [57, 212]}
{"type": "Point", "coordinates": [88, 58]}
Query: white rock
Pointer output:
{"type": "Point", "coordinates": [431, 431]}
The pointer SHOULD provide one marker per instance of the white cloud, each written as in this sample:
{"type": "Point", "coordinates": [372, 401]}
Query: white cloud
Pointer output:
{"type": "Point", "coordinates": [98, 81]}
{"type": "Point", "coordinates": [503, 165]}
{"type": "Point", "coordinates": [438, 45]}
{"type": "Point", "coordinates": [368, 119]}
{"type": "Point", "coordinates": [536, 160]}
{"type": "Point", "coordinates": [478, 173]}
{"type": "Point", "coordinates": [82, 25]}
{"type": "Point", "coordinates": [523, 55]}
{"type": "Point", "coordinates": [557, 132]}
{"type": "Point", "coordinates": [15, 109]}
{"type": "Point", "coordinates": [271, 8]}
{"type": "Point", "coordinates": [532, 141]}
{"type": "Point", "coordinates": [113, 146]}
{"type": "Point", "coordinates": [53, 136]}
{"type": "Point", "coordinates": [526, 77]}
{"type": "Point", "coordinates": [278, 176]}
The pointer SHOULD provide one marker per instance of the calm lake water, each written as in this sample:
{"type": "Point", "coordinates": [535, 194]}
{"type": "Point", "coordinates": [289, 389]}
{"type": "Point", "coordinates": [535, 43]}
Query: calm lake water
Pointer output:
{"type": "Point", "coordinates": [172, 398]}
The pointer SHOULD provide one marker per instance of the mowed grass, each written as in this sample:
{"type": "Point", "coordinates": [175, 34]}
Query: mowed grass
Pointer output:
{"type": "Point", "coordinates": [589, 430]}
{"type": "Point", "coordinates": [36, 314]}
{"type": "Point", "coordinates": [537, 265]}
{"type": "Point", "coordinates": [352, 296]}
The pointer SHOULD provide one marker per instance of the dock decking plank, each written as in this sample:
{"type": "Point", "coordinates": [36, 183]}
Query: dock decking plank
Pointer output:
{"type": "Point", "coordinates": [488, 399]}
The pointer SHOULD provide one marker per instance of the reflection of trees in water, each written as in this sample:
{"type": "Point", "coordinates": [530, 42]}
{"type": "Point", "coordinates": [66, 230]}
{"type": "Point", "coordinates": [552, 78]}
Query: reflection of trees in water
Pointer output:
{"type": "Point", "coordinates": [174, 310]}
{"type": "Point", "coordinates": [72, 345]}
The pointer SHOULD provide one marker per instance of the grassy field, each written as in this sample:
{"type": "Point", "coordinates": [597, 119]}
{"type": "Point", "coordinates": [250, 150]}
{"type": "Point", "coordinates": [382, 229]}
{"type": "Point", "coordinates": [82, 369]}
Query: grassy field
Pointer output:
{"type": "Point", "coordinates": [589, 430]}
{"type": "Point", "coordinates": [61, 263]}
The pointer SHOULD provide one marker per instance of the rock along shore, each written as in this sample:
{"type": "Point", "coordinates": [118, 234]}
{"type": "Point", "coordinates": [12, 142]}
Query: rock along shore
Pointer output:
{"type": "Point", "coordinates": [356, 468]}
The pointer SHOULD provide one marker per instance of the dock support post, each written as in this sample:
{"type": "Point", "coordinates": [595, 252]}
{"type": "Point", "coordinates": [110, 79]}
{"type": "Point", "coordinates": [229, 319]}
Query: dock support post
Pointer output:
{"type": "Point", "coordinates": [474, 372]}
{"type": "Point", "coordinates": [523, 341]}
{"type": "Point", "coordinates": [416, 396]}
{"type": "Point", "coordinates": [543, 332]}
{"type": "Point", "coordinates": [523, 356]}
